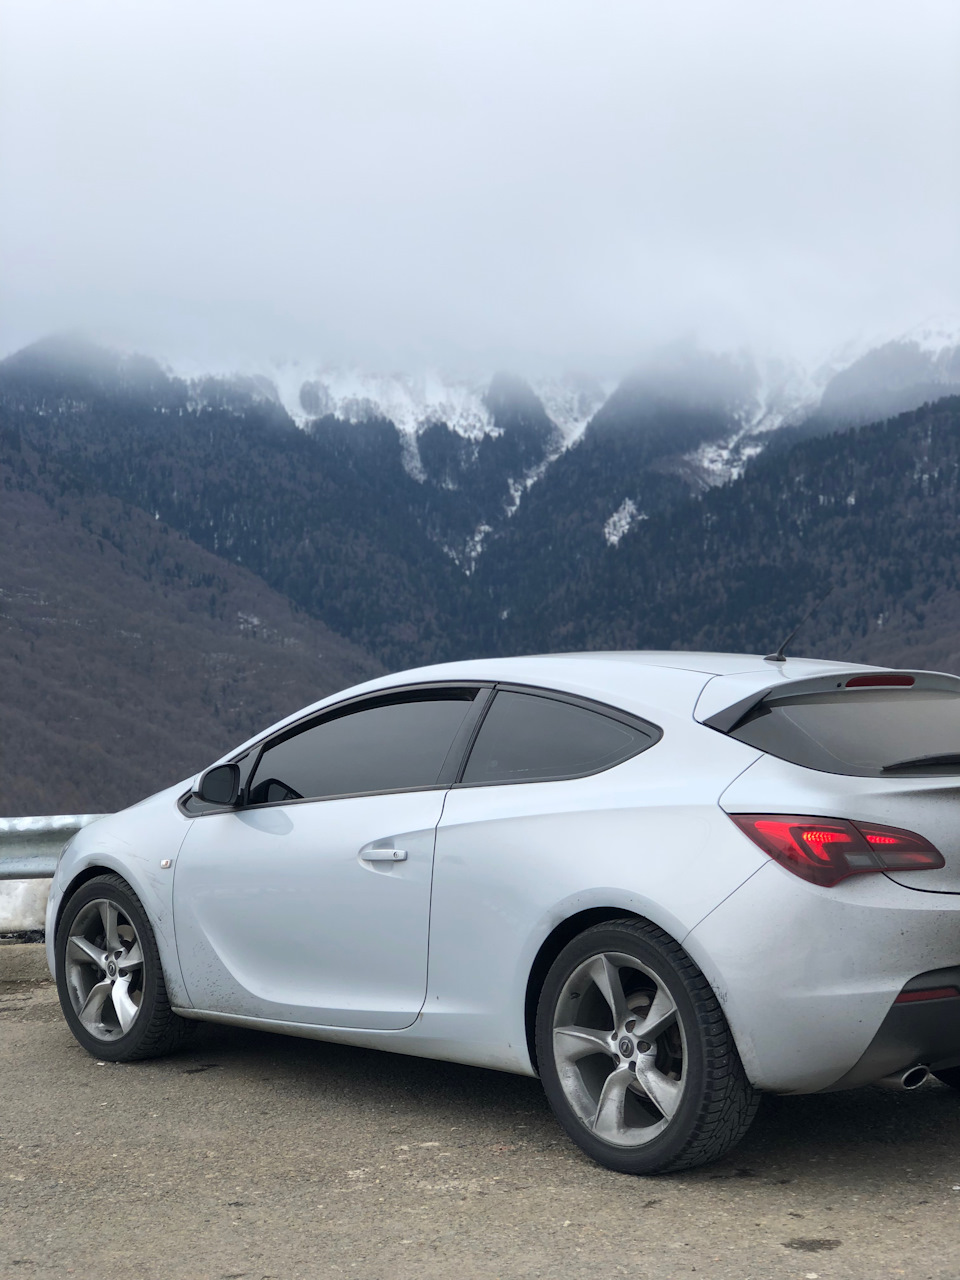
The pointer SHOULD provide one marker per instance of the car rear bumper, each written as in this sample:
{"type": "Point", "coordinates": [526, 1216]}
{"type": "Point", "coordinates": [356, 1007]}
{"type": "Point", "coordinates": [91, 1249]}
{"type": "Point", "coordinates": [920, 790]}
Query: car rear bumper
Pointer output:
{"type": "Point", "coordinates": [924, 1032]}
{"type": "Point", "coordinates": [808, 978]}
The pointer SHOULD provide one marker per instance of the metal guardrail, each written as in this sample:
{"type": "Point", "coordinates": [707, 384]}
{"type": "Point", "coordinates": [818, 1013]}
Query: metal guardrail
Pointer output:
{"type": "Point", "coordinates": [29, 847]}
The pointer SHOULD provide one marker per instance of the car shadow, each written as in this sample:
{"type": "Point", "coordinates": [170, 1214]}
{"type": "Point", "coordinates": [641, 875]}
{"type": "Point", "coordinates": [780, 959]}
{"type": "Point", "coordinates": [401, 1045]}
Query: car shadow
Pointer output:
{"type": "Point", "coordinates": [832, 1136]}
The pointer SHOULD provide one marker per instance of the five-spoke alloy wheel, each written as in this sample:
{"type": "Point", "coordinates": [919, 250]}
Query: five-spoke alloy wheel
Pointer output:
{"type": "Point", "coordinates": [109, 978]}
{"type": "Point", "coordinates": [635, 1054]}
{"type": "Point", "coordinates": [104, 969]}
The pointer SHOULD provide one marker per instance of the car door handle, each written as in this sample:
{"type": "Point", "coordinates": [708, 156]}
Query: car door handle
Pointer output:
{"type": "Point", "coordinates": [383, 855]}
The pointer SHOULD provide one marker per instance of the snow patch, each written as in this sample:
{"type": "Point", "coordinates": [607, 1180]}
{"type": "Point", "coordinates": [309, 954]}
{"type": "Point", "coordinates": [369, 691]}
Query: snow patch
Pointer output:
{"type": "Point", "coordinates": [467, 555]}
{"type": "Point", "coordinates": [474, 548]}
{"type": "Point", "coordinates": [23, 904]}
{"type": "Point", "coordinates": [411, 401]}
{"type": "Point", "coordinates": [571, 401]}
{"type": "Point", "coordinates": [785, 394]}
{"type": "Point", "coordinates": [622, 520]}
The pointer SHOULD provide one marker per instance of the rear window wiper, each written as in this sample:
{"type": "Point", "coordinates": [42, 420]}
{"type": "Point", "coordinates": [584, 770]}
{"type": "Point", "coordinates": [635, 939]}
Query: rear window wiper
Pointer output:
{"type": "Point", "coordinates": [949, 757]}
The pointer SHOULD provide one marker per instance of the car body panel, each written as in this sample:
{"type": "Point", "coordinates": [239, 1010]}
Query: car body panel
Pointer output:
{"type": "Point", "coordinates": [278, 916]}
{"type": "Point", "coordinates": [807, 975]}
{"type": "Point", "coordinates": [930, 805]}
{"type": "Point", "coordinates": [132, 843]}
{"type": "Point", "coordinates": [515, 860]}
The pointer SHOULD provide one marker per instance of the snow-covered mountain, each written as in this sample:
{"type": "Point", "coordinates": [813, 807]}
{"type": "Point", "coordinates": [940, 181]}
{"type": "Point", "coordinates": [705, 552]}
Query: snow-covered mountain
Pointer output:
{"type": "Point", "coordinates": [895, 375]}
{"type": "Point", "coordinates": [601, 455]}
{"type": "Point", "coordinates": [863, 379]}
{"type": "Point", "coordinates": [694, 418]}
{"type": "Point", "coordinates": [937, 336]}
{"type": "Point", "coordinates": [411, 401]}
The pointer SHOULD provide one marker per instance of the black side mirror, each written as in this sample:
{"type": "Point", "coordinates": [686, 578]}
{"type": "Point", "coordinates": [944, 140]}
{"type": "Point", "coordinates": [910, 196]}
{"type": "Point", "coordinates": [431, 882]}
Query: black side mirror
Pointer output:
{"type": "Point", "coordinates": [219, 785]}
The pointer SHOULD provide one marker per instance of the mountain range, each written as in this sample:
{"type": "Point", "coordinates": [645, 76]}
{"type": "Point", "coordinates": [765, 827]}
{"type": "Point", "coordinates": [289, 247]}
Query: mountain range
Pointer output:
{"type": "Point", "coordinates": [189, 557]}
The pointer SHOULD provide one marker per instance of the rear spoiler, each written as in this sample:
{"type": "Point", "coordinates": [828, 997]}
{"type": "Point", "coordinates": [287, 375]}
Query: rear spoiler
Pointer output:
{"type": "Point", "coordinates": [725, 700]}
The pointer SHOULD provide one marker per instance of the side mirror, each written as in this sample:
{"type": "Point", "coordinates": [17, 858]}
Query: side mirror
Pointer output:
{"type": "Point", "coordinates": [219, 785]}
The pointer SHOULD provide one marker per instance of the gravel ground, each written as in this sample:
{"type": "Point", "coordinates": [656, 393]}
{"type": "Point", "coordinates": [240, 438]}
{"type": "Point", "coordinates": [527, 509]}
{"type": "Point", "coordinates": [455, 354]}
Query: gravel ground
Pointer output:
{"type": "Point", "coordinates": [257, 1156]}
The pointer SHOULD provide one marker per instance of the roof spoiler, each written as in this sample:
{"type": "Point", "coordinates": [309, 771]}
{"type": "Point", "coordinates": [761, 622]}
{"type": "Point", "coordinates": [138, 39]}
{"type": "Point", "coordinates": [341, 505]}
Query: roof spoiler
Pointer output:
{"type": "Point", "coordinates": [725, 700]}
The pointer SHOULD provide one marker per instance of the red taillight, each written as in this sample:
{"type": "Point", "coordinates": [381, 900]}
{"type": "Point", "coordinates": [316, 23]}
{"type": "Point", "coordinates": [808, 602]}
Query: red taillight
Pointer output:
{"type": "Point", "coordinates": [828, 850]}
{"type": "Point", "coordinates": [931, 993]}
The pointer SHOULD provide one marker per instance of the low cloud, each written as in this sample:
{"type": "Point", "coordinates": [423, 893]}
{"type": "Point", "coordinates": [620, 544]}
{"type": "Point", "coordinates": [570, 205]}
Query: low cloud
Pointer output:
{"type": "Point", "coordinates": [477, 184]}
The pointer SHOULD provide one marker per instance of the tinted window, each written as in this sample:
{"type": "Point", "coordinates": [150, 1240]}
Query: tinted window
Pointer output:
{"type": "Point", "coordinates": [383, 747]}
{"type": "Point", "coordinates": [857, 732]}
{"type": "Point", "coordinates": [527, 738]}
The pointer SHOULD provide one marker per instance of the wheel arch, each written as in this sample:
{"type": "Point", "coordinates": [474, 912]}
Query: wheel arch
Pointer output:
{"type": "Point", "coordinates": [159, 915]}
{"type": "Point", "coordinates": [550, 948]}
{"type": "Point", "coordinates": [78, 881]}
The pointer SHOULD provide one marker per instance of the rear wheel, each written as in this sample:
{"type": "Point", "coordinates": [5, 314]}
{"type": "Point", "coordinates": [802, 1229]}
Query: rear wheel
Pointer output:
{"type": "Point", "coordinates": [109, 977]}
{"type": "Point", "coordinates": [635, 1055]}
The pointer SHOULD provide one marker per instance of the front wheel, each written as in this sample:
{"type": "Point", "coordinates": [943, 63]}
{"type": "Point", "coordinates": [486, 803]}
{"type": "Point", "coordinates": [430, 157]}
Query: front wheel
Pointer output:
{"type": "Point", "coordinates": [109, 978]}
{"type": "Point", "coordinates": [635, 1055]}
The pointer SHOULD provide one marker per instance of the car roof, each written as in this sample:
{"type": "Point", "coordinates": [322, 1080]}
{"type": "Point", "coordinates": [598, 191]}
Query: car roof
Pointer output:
{"type": "Point", "coordinates": [651, 683]}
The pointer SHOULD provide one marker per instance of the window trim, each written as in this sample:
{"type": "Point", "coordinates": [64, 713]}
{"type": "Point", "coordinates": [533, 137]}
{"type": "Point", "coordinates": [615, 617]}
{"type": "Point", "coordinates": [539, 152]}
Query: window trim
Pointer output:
{"type": "Point", "coordinates": [347, 707]}
{"type": "Point", "coordinates": [454, 766]}
{"type": "Point", "coordinates": [654, 731]}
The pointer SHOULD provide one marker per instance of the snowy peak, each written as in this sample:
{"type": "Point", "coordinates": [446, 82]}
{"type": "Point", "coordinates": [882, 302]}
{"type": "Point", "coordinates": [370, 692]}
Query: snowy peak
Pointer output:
{"type": "Point", "coordinates": [935, 336]}
{"type": "Point", "coordinates": [413, 402]}
{"type": "Point", "coordinates": [410, 401]}
{"type": "Point", "coordinates": [901, 374]}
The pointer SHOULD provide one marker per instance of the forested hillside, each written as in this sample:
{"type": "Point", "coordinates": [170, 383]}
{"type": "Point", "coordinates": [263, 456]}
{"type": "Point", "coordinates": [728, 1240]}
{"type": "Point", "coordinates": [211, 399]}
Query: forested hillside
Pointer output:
{"type": "Point", "coordinates": [330, 517]}
{"type": "Point", "coordinates": [129, 656]}
{"type": "Point", "coordinates": [871, 515]}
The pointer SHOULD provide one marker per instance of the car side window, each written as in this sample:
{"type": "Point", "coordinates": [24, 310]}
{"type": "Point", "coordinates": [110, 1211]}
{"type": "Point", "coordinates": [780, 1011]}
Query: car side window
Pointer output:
{"type": "Point", "coordinates": [527, 737]}
{"type": "Point", "coordinates": [391, 743]}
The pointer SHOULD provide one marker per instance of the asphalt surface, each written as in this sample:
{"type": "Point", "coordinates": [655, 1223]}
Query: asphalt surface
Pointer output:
{"type": "Point", "coordinates": [257, 1156]}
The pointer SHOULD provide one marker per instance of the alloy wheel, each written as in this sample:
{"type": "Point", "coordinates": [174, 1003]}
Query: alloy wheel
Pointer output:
{"type": "Point", "coordinates": [619, 1049]}
{"type": "Point", "coordinates": [104, 969]}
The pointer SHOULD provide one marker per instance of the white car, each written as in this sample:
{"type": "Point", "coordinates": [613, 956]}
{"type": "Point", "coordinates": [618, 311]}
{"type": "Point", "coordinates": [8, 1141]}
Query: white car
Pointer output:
{"type": "Point", "coordinates": [663, 882]}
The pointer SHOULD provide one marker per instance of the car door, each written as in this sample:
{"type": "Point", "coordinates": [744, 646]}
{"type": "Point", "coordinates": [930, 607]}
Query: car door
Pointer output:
{"type": "Point", "coordinates": [310, 901]}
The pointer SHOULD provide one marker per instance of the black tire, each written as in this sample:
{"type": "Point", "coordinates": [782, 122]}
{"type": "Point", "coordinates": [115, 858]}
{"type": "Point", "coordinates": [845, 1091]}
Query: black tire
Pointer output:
{"type": "Point", "coordinates": [153, 1028]}
{"type": "Point", "coordinates": [691, 1064]}
{"type": "Point", "coordinates": [949, 1075]}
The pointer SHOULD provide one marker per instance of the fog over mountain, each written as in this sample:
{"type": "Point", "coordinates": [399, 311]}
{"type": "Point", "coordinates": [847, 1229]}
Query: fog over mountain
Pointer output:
{"type": "Point", "coordinates": [551, 186]}
{"type": "Point", "coordinates": [753, 397]}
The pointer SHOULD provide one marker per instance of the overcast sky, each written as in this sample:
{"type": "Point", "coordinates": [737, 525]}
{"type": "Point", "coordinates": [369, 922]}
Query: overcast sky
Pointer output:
{"type": "Point", "coordinates": [532, 183]}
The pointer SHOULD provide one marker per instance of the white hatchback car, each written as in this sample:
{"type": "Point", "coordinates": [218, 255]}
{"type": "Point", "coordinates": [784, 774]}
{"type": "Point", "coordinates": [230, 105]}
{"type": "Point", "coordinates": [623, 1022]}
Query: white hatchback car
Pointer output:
{"type": "Point", "coordinates": [664, 882]}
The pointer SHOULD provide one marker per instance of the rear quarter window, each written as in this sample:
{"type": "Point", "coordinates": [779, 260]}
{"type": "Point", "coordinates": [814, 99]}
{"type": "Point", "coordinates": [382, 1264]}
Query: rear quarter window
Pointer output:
{"type": "Point", "coordinates": [860, 732]}
{"type": "Point", "coordinates": [528, 737]}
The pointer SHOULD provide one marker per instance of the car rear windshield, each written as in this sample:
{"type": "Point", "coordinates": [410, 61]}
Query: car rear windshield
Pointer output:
{"type": "Point", "coordinates": [864, 732]}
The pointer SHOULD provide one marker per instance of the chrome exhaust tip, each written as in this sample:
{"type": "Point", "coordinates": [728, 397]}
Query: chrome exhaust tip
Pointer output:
{"type": "Point", "coordinates": [905, 1081]}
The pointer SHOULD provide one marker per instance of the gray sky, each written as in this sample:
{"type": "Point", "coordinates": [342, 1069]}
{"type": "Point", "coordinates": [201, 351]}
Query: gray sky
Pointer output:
{"type": "Point", "coordinates": [537, 183]}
